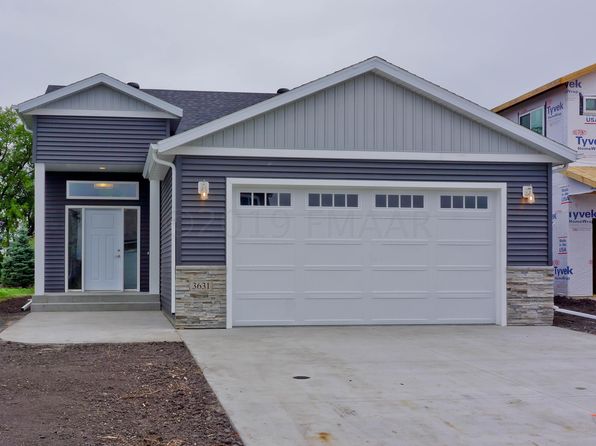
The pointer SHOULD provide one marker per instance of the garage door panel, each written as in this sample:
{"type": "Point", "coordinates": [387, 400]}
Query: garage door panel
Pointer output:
{"type": "Point", "coordinates": [470, 228]}
{"type": "Point", "coordinates": [333, 308]}
{"type": "Point", "coordinates": [331, 253]}
{"type": "Point", "coordinates": [254, 225]}
{"type": "Point", "coordinates": [402, 278]}
{"type": "Point", "coordinates": [365, 265]}
{"type": "Point", "coordinates": [332, 279]}
{"type": "Point", "coordinates": [270, 309]}
{"type": "Point", "coordinates": [399, 251]}
{"type": "Point", "coordinates": [265, 252]}
{"type": "Point", "coordinates": [408, 308]}
{"type": "Point", "coordinates": [266, 278]}
{"type": "Point", "coordinates": [457, 253]}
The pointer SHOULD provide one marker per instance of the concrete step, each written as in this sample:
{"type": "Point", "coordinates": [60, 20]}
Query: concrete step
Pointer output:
{"type": "Point", "coordinates": [95, 306]}
{"type": "Point", "coordinates": [60, 298]}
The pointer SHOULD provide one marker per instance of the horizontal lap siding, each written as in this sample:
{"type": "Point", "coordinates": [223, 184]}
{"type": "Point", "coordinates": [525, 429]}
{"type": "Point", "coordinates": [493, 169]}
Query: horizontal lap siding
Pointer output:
{"type": "Point", "coordinates": [55, 230]}
{"type": "Point", "coordinates": [78, 139]}
{"type": "Point", "coordinates": [202, 223]}
{"type": "Point", "coordinates": [165, 279]}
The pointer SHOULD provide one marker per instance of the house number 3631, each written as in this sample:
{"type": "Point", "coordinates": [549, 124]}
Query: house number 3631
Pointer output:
{"type": "Point", "coordinates": [201, 285]}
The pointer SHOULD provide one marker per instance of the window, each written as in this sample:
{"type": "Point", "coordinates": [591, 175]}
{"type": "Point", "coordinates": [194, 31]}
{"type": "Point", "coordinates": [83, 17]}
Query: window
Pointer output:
{"type": "Point", "coordinates": [533, 120]}
{"type": "Point", "coordinates": [131, 248]}
{"type": "Point", "coordinates": [102, 190]}
{"type": "Point", "coordinates": [464, 202]}
{"type": "Point", "coordinates": [75, 249]}
{"type": "Point", "coordinates": [269, 199]}
{"type": "Point", "coordinates": [590, 104]}
{"type": "Point", "coordinates": [328, 200]}
{"type": "Point", "coordinates": [399, 201]}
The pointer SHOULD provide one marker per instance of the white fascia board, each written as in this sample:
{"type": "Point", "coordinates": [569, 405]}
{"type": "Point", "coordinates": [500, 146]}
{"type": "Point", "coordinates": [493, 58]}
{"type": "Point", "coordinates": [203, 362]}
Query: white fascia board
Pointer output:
{"type": "Point", "coordinates": [396, 74]}
{"type": "Point", "coordinates": [101, 78]}
{"type": "Point", "coordinates": [110, 113]}
{"type": "Point", "coordinates": [364, 155]}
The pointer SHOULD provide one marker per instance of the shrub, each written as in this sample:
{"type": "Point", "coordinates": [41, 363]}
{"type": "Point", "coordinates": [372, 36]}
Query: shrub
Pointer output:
{"type": "Point", "coordinates": [18, 263]}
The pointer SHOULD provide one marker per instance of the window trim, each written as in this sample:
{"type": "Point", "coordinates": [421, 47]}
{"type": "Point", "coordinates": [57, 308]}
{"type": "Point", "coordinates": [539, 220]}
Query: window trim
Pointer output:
{"type": "Point", "coordinates": [585, 99]}
{"type": "Point", "coordinates": [69, 195]}
{"type": "Point", "coordinates": [530, 113]}
{"type": "Point", "coordinates": [333, 193]}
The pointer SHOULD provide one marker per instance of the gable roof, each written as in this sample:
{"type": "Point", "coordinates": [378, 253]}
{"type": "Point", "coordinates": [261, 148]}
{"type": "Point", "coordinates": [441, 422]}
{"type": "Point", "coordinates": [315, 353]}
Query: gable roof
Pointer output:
{"type": "Point", "coordinates": [200, 107]}
{"type": "Point", "coordinates": [393, 73]}
{"type": "Point", "coordinates": [548, 86]}
{"type": "Point", "coordinates": [99, 79]}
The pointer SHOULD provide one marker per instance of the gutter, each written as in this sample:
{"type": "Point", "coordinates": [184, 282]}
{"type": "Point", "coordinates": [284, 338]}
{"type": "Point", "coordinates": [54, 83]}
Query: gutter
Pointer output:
{"type": "Point", "coordinates": [153, 151]}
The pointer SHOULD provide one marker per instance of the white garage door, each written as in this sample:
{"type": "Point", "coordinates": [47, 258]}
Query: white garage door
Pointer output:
{"type": "Point", "coordinates": [321, 256]}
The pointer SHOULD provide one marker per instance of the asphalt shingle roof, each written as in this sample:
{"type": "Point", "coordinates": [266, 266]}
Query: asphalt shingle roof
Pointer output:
{"type": "Point", "coordinates": [201, 107]}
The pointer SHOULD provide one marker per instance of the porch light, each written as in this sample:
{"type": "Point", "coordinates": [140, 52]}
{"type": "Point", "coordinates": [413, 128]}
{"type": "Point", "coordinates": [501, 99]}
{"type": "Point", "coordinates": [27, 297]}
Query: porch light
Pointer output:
{"type": "Point", "coordinates": [103, 185]}
{"type": "Point", "coordinates": [528, 194]}
{"type": "Point", "coordinates": [203, 189]}
{"type": "Point", "coordinates": [102, 167]}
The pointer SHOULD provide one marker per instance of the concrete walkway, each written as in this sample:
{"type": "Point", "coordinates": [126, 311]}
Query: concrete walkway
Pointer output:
{"type": "Point", "coordinates": [403, 385]}
{"type": "Point", "coordinates": [91, 327]}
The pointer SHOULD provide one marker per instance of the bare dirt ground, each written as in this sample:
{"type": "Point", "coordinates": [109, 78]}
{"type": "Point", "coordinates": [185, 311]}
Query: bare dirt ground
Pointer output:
{"type": "Point", "coordinates": [575, 322]}
{"type": "Point", "coordinates": [117, 394]}
{"type": "Point", "coordinates": [10, 311]}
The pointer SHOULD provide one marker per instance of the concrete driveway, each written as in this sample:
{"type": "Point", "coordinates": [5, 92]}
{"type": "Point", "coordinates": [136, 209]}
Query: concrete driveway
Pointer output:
{"type": "Point", "coordinates": [403, 385]}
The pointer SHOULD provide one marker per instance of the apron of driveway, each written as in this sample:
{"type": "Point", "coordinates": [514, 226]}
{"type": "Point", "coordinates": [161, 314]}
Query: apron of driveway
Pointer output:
{"type": "Point", "coordinates": [83, 327]}
{"type": "Point", "coordinates": [403, 385]}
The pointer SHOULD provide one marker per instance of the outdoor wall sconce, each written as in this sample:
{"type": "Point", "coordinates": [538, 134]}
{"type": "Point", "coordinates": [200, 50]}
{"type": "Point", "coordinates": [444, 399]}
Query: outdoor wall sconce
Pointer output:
{"type": "Point", "coordinates": [528, 194]}
{"type": "Point", "coordinates": [203, 189]}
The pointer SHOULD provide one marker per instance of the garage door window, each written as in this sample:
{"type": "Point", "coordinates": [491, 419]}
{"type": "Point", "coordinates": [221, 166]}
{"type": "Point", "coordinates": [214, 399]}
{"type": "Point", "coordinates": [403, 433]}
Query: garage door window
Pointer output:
{"type": "Point", "coordinates": [329, 200]}
{"type": "Point", "coordinates": [464, 202]}
{"type": "Point", "coordinates": [270, 199]}
{"type": "Point", "coordinates": [399, 201]}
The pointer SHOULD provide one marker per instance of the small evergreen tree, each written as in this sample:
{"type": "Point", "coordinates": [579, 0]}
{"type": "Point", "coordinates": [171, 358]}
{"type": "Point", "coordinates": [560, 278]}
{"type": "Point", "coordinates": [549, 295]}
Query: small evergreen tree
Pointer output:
{"type": "Point", "coordinates": [18, 262]}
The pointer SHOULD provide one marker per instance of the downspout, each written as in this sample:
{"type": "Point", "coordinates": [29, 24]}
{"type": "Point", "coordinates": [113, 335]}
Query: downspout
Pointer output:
{"type": "Point", "coordinates": [154, 157]}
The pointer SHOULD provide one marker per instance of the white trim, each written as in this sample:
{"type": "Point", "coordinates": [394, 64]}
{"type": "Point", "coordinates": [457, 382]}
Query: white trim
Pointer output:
{"type": "Point", "coordinates": [98, 79]}
{"type": "Point", "coordinates": [500, 209]}
{"type": "Point", "coordinates": [40, 236]}
{"type": "Point", "coordinates": [83, 208]}
{"type": "Point", "coordinates": [392, 73]}
{"type": "Point", "coordinates": [69, 196]}
{"type": "Point", "coordinates": [154, 236]}
{"type": "Point", "coordinates": [109, 113]}
{"type": "Point", "coordinates": [361, 154]}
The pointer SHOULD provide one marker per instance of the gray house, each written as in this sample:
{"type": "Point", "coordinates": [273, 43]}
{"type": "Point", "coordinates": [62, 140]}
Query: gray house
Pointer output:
{"type": "Point", "coordinates": [368, 196]}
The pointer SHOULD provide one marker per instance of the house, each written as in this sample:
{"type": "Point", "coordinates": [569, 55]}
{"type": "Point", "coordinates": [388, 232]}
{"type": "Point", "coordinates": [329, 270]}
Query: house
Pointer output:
{"type": "Point", "coordinates": [368, 196]}
{"type": "Point", "coordinates": [564, 110]}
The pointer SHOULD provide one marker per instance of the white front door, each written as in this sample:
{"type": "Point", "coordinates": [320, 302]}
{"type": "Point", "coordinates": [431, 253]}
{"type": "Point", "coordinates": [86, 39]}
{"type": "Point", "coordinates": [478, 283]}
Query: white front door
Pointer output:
{"type": "Point", "coordinates": [103, 249]}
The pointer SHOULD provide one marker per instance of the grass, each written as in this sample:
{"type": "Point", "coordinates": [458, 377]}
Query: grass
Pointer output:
{"type": "Point", "coordinates": [9, 293]}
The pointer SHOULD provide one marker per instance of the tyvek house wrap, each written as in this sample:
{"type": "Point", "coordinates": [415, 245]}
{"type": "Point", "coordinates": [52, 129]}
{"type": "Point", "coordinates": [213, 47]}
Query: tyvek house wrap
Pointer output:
{"type": "Point", "coordinates": [574, 207]}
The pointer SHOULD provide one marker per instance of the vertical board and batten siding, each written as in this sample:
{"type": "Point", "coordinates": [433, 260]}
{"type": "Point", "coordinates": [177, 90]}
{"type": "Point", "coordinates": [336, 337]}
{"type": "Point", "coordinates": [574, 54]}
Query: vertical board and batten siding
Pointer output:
{"type": "Point", "coordinates": [100, 97]}
{"type": "Point", "coordinates": [201, 240]}
{"type": "Point", "coordinates": [165, 240]}
{"type": "Point", "coordinates": [367, 112]}
{"type": "Point", "coordinates": [55, 230]}
{"type": "Point", "coordinates": [104, 140]}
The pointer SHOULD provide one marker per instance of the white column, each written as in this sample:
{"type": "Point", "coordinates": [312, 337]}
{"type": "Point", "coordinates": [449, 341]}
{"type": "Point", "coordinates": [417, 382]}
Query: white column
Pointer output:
{"type": "Point", "coordinates": [40, 236]}
{"type": "Point", "coordinates": [154, 240]}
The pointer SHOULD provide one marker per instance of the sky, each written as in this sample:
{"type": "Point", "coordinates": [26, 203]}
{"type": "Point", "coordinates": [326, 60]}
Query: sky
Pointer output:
{"type": "Point", "coordinates": [488, 51]}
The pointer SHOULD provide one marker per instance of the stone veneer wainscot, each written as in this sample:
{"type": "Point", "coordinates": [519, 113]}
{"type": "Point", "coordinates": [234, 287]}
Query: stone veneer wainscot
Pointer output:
{"type": "Point", "coordinates": [530, 295]}
{"type": "Point", "coordinates": [197, 306]}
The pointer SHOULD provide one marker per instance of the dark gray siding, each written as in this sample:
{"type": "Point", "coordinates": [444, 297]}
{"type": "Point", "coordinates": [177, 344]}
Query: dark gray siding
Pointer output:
{"type": "Point", "coordinates": [56, 203]}
{"type": "Point", "coordinates": [82, 139]}
{"type": "Point", "coordinates": [201, 239]}
{"type": "Point", "coordinates": [165, 278]}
